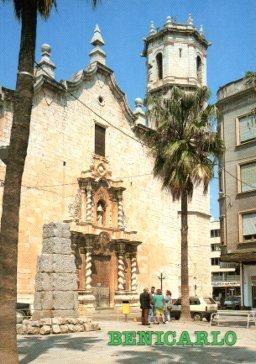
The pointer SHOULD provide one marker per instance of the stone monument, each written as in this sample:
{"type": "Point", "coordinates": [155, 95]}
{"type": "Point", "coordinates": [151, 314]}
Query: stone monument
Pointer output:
{"type": "Point", "coordinates": [56, 278]}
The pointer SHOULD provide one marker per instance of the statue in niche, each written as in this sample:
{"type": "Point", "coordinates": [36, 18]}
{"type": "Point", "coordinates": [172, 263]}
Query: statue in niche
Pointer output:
{"type": "Point", "coordinates": [100, 213]}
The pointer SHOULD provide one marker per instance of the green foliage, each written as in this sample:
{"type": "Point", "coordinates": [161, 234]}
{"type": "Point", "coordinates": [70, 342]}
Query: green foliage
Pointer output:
{"type": "Point", "coordinates": [184, 145]}
{"type": "Point", "coordinates": [44, 7]}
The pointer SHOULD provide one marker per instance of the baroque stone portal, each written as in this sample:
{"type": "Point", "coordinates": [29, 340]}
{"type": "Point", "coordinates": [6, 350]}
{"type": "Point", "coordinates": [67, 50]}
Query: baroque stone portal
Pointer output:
{"type": "Point", "coordinates": [106, 253]}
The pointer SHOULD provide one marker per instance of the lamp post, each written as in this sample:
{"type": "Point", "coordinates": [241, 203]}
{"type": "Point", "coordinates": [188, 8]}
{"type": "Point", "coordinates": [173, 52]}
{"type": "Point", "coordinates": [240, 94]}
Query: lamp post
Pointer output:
{"type": "Point", "coordinates": [161, 276]}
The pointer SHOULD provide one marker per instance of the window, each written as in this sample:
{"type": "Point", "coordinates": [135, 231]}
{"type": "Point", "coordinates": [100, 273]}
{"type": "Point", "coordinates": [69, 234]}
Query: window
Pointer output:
{"type": "Point", "coordinates": [249, 226]}
{"type": "Point", "coordinates": [215, 233]}
{"type": "Point", "coordinates": [247, 128]}
{"type": "Point", "coordinates": [199, 69]}
{"type": "Point", "coordinates": [215, 247]}
{"type": "Point", "coordinates": [248, 176]}
{"type": "Point", "coordinates": [100, 132]}
{"type": "Point", "coordinates": [215, 261]}
{"type": "Point", "coordinates": [209, 300]}
{"type": "Point", "coordinates": [194, 301]}
{"type": "Point", "coordinates": [159, 62]}
{"type": "Point", "coordinates": [217, 274]}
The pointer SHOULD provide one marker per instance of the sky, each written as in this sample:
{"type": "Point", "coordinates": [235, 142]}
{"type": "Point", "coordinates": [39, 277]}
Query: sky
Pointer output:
{"type": "Point", "coordinates": [229, 24]}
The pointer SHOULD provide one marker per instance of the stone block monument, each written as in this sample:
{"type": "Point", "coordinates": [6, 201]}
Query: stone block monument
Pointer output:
{"type": "Point", "coordinates": [56, 278]}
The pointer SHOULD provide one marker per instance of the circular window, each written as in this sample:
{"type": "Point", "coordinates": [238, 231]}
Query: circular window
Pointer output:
{"type": "Point", "coordinates": [101, 100]}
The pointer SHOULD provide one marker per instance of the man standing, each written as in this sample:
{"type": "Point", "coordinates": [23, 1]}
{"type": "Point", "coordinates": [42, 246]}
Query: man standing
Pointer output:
{"type": "Point", "coordinates": [145, 306]}
{"type": "Point", "coordinates": [152, 308]}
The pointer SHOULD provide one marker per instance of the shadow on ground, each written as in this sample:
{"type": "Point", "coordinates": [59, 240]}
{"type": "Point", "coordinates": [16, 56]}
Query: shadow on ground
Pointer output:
{"type": "Point", "coordinates": [186, 355]}
{"type": "Point", "coordinates": [31, 347]}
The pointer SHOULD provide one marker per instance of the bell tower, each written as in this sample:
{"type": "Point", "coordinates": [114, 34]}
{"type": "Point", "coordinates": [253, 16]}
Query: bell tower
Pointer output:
{"type": "Point", "coordinates": [175, 55]}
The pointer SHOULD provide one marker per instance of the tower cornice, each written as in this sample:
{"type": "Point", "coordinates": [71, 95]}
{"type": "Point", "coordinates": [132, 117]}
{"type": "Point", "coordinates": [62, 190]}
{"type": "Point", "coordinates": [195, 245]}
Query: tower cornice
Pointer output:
{"type": "Point", "coordinates": [175, 29]}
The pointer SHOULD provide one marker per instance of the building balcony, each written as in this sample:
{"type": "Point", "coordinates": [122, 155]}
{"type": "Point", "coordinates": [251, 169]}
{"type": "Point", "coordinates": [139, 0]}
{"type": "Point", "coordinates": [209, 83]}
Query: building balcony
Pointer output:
{"type": "Point", "coordinates": [235, 277]}
{"type": "Point", "coordinates": [228, 265]}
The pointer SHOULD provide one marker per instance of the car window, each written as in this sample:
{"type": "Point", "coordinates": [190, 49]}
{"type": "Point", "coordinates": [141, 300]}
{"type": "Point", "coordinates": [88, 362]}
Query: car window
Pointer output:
{"type": "Point", "coordinates": [178, 302]}
{"type": "Point", "coordinates": [209, 300]}
{"type": "Point", "coordinates": [194, 301]}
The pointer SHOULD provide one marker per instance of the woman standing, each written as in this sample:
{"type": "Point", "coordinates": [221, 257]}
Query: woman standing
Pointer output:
{"type": "Point", "coordinates": [167, 305]}
{"type": "Point", "coordinates": [158, 300]}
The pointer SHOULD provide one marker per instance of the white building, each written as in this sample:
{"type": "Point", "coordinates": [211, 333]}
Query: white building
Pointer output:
{"type": "Point", "coordinates": [237, 125]}
{"type": "Point", "coordinates": [225, 276]}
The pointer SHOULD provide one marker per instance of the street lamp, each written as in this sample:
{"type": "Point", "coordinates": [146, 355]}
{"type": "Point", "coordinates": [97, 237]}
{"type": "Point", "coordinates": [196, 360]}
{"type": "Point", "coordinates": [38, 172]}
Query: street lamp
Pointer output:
{"type": "Point", "coordinates": [161, 276]}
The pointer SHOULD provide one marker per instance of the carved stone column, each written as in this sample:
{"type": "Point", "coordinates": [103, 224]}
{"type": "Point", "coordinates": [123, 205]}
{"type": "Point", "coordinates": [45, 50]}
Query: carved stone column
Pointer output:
{"type": "Point", "coordinates": [87, 299]}
{"type": "Point", "coordinates": [120, 217]}
{"type": "Point", "coordinates": [120, 267]}
{"type": "Point", "coordinates": [129, 248]}
{"type": "Point", "coordinates": [83, 204]}
{"type": "Point", "coordinates": [88, 268]}
{"type": "Point", "coordinates": [134, 282]}
{"type": "Point", "coordinates": [89, 203]}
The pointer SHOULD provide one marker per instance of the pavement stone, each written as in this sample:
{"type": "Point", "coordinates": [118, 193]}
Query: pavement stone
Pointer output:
{"type": "Point", "coordinates": [92, 347]}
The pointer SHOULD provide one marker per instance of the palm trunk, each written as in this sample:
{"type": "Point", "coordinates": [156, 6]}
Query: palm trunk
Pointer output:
{"type": "Point", "coordinates": [12, 189]}
{"type": "Point", "coordinates": [185, 310]}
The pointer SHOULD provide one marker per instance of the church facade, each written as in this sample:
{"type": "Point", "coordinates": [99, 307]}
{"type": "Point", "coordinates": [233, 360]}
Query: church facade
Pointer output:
{"type": "Point", "coordinates": [86, 167]}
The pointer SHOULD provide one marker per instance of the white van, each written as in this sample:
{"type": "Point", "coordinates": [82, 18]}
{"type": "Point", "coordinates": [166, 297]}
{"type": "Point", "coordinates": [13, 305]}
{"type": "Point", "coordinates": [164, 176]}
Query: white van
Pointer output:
{"type": "Point", "coordinates": [200, 307]}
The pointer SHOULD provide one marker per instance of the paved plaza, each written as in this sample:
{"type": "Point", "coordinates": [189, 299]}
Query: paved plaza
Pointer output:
{"type": "Point", "coordinates": [92, 347]}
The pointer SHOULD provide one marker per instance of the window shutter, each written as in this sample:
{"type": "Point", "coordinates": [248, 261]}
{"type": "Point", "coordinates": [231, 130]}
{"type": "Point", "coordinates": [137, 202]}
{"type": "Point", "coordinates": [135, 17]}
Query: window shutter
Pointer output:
{"type": "Point", "coordinates": [247, 125]}
{"type": "Point", "coordinates": [248, 176]}
{"type": "Point", "coordinates": [100, 140]}
{"type": "Point", "coordinates": [249, 224]}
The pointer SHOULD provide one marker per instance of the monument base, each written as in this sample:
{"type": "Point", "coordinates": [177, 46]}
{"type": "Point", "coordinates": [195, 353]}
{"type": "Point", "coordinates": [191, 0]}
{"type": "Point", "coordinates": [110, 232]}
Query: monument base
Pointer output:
{"type": "Point", "coordinates": [86, 303]}
{"type": "Point", "coordinates": [127, 296]}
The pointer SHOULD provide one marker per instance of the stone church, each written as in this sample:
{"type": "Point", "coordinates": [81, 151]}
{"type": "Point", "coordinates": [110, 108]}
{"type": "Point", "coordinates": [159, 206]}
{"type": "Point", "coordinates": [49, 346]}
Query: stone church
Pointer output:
{"type": "Point", "coordinates": [86, 167]}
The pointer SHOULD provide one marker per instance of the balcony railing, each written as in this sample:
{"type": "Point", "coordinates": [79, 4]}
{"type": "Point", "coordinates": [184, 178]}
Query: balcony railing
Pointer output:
{"type": "Point", "coordinates": [233, 278]}
{"type": "Point", "coordinates": [228, 265]}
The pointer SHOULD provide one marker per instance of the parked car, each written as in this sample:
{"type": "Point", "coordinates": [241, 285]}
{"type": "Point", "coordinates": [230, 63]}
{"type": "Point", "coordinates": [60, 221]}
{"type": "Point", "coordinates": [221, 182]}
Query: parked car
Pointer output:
{"type": "Point", "coordinates": [200, 307]}
{"type": "Point", "coordinates": [218, 301]}
{"type": "Point", "coordinates": [232, 302]}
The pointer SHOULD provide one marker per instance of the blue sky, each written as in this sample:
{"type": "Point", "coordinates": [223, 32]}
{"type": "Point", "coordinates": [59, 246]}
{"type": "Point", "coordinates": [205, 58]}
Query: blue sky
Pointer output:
{"type": "Point", "coordinates": [228, 24]}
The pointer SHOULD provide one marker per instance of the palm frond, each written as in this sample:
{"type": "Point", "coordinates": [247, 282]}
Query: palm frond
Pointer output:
{"type": "Point", "coordinates": [44, 7]}
{"type": "Point", "coordinates": [95, 3]}
{"type": "Point", "coordinates": [184, 144]}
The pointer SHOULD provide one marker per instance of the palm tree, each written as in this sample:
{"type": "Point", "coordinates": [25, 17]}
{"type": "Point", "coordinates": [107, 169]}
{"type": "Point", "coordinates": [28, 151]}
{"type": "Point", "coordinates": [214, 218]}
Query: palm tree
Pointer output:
{"type": "Point", "coordinates": [184, 147]}
{"type": "Point", "coordinates": [26, 12]}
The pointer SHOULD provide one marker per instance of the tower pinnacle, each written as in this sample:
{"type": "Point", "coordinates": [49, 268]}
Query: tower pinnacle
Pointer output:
{"type": "Point", "coordinates": [97, 54]}
{"type": "Point", "coordinates": [46, 66]}
{"type": "Point", "coordinates": [152, 28]}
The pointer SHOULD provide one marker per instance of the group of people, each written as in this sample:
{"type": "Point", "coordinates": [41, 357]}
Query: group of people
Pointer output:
{"type": "Point", "coordinates": [155, 306]}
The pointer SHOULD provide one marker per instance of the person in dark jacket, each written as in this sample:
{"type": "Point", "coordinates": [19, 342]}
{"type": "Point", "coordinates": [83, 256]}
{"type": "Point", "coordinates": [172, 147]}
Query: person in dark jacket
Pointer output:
{"type": "Point", "coordinates": [145, 306]}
